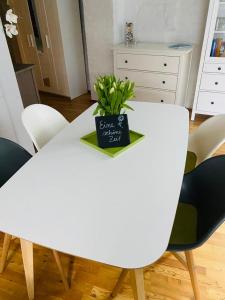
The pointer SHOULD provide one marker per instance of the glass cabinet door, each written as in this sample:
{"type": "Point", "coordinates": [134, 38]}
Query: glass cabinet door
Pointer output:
{"type": "Point", "coordinates": [216, 42]}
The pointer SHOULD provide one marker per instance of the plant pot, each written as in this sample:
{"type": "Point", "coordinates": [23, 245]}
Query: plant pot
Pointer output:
{"type": "Point", "coordinates": [112, 131]}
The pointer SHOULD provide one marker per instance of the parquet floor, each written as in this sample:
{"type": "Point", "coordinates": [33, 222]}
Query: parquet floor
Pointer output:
{"type": "Point", "coordinates": [165, 280]}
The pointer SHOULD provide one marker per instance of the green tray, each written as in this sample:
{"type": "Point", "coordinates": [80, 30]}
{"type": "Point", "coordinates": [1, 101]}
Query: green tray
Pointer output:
{"type": "Point", "coordinates": [91, 140]}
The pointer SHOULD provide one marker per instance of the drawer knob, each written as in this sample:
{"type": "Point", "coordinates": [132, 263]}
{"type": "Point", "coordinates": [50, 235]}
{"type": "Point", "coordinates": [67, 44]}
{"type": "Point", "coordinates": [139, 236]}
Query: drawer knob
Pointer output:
{"type": "Point", "coordinates": [126, 77]}
{"type": "Point", "coordinates": [162, 101]}
{"type": "Point", "coordinates": [126, 61]}
{"type": "Point", "coordinates": [165, 65]}
{"type": "Point", "coordinates": [212, 102]}
{"type": "Point", "coordinates": [164, 82]}
{"type": "Point", "coordinates": [219, 69]}
{"type": "Point", "coordinates": [216, 83]}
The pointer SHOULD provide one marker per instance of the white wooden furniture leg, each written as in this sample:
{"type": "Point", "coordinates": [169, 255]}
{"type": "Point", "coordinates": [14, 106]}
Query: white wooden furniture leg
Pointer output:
{"type": "Point", "coordinates": [119, 283]}
{"type": "Point", "coordinates": [5, 250]}
{"type": "Point", "coordinates": [193, 275]}
{"type": "Point", "coordinates": [137, 282]}
{"type": "Point", "coordinates": [27, 254]}
{"type": "Point", "coordinates": [59, 265]}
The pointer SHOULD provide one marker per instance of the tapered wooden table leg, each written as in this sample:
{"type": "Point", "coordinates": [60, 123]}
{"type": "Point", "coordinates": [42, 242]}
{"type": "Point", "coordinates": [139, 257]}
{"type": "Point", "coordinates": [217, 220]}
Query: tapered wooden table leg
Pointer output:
{"type": "Point", "coordinates": [193, 275]}
{"type": "Point", "coordinates": [5, 250]}
{"type": "Point", "coordinates": [137, 281]}
{"type": "Point", "coordinates": [119, 283]}
{"type": "Point", "coordinates": [27, 254]}
{"type": "Point", "coordinates": [59, 265]}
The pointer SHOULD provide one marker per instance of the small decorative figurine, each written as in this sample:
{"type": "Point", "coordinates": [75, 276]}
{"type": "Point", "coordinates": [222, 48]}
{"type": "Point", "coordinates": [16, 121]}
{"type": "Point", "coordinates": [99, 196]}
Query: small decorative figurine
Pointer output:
{"type": "Point", "coordinates": [129, 34]}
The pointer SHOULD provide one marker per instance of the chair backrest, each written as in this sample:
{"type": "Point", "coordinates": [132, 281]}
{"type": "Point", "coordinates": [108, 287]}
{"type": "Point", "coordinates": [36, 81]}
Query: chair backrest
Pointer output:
{"type": "Point", "coordinates": [209, 136]}
{"type": "Point", "coordinates": [12, 158]}
{"type": "Point", "coordinates": [204, 188]}
{"type": "Point", "coordinates": [42, 123]}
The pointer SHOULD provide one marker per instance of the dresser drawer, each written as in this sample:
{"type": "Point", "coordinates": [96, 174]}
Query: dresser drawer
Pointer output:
{"type": "Point", "coordinates": [214, 68]}
{"type": "Point", "coordinates": [213, 82]}
{"type": "Point", "coordinates": [164, 64]}
{"type": "Point", "coordinates": [151, 80]}
{"type": "Point", "coordinates": [211, 102]}
{"type": "Point", "coordinates": [151, 95]}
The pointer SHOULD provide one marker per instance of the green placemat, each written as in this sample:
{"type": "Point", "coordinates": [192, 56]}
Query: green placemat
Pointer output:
{"type": "Point", "coordinates": [91, 140]}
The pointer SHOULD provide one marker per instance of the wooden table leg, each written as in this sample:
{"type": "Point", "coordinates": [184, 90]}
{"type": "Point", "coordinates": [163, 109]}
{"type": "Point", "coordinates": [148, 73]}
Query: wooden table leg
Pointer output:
{"type": "Point", "coordinates": [59, 265]}
{"type": "Point", "coordinates": [5, 250]}
{"type": "Point", "coordinates": [27, 254]}
{"type": "Point", "coordinates": [137, 281]}
{"type": "Point", "coordinates": [119, 283]}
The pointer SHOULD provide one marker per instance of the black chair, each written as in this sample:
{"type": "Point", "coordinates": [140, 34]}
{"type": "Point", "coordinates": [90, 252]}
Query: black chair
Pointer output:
{"type": "Point", "coordinates": [200, 212]}
{"type": "Point", "coordinates": [12, 158]}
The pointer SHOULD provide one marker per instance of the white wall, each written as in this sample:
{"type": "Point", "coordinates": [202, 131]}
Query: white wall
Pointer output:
{"type": "Point", "coordinates": [11, 106]}
{"type": "Point", "coordinates": [155, 21]}
{"type": "Point", "coordinates": [98, 17]}
{"type": "Point", "coordinates": [6, 126]}
{"type": "Point", "coordinates": [70, 24]}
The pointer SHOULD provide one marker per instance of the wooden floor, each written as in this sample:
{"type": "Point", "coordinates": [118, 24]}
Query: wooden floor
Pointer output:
{"type": "Point", "coordinates": [165, 280]}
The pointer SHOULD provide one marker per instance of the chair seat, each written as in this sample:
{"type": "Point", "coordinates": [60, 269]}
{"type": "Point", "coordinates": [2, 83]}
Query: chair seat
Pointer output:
{"type": "Point", "coordinates": [190, 162]}
{"type": "Point", "coordinates": [185, 226]}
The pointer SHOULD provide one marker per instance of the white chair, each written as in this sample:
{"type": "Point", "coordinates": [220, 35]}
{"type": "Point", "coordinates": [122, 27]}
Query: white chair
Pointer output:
{"type": "Point", "coordinates": [42, 123]}
{"type": "Point", "coordinates": [208, 138]}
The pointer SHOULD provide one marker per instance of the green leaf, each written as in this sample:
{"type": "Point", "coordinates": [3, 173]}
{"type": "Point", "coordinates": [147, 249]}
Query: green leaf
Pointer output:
{"type": "Point", "coordinates": [127, 106]}
{"type": "Point", "coordinates": [113, 94]}
{"type": "Point", "coordinates": [96, 111]}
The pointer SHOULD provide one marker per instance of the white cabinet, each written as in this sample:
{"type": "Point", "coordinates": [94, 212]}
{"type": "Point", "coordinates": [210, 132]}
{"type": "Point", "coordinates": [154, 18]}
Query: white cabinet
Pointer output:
{"type": "Point", "coordinates": [161, 74]}
{"type": "Point", "coordinates": [210, 88]}
{"type": "Point", "coordinates": [213, 102]}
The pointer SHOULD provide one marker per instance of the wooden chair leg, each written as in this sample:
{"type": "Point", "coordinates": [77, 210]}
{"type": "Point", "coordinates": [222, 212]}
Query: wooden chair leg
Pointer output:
{"type": "Point", "coordinates": [119, 283]}
{"type": "Point", "coordinates": [137, 281]}
{"type": "Point", "coordinates": [5, 250]}
{"type": "Point", "coordinates": [27, 255]}
{"type": "Point", "coordinates": [59, 265]}
{"type": "Point", "coordinates": [193, 275]}
{"type": "Point", "coordinates": [180, 258]}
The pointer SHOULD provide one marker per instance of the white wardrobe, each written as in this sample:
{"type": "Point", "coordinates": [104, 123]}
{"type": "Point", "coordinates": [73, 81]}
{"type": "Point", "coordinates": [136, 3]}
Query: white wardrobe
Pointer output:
{"type": "Point", "coordinates": [210, 89]}
{"type": "Point", "coordinates": [50, 37]}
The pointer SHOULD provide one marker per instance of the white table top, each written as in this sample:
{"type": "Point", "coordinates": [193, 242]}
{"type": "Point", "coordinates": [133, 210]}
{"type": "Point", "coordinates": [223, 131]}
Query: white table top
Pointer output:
{"type": "Point", "coordinates": [118, 211]}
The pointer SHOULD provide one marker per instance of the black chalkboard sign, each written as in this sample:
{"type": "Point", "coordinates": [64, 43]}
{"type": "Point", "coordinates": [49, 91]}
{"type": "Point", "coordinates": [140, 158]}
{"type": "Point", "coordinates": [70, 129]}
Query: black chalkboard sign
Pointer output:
{"type": "Point", "coordinates": [112, 131]}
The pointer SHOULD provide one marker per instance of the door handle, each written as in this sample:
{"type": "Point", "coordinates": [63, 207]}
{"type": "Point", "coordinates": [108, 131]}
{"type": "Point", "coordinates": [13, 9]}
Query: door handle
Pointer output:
{"type": "Point", "coordinates": [32, 41]}
{"type": "Point", "coordinates": [28, 40]}
{"type": "Point", "coordinates": [47, 41]}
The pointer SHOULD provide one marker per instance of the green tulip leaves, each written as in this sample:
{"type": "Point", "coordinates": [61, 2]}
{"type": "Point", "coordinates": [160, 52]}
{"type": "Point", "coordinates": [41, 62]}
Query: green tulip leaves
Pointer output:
{"type": "Point", "coordinates": [112, 95]}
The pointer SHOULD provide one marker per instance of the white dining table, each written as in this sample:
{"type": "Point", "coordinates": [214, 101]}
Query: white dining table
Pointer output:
{"type": "Point", "coordinates": [118, 211]}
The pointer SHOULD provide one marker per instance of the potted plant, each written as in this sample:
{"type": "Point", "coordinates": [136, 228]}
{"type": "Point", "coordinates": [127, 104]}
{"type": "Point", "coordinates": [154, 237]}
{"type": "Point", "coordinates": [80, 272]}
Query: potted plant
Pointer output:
{"type": "Point", "coordinates": [112, 123]}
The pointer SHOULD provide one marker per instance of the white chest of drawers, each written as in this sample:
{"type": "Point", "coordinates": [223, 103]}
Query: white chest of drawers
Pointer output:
{"type": "Point", "coordinates": [161, 74]}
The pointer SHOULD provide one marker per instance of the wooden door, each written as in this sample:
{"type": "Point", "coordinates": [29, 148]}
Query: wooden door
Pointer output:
{"type": "Point", "coordinates": [26, 38]}
{"type": "Point", "coordinates": [45, 55]}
